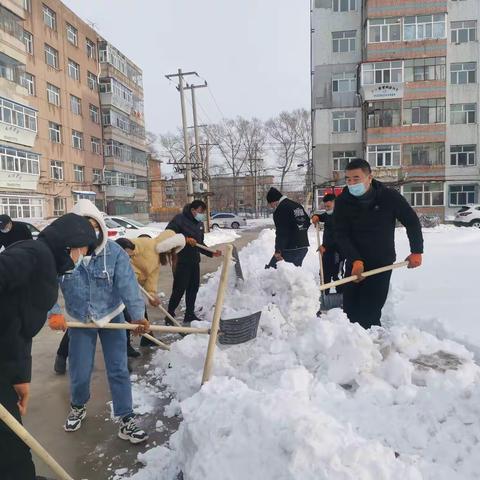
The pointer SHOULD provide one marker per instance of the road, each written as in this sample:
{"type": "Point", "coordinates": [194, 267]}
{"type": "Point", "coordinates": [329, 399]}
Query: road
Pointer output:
{"type": "Point", "coordinates": [94, 452]}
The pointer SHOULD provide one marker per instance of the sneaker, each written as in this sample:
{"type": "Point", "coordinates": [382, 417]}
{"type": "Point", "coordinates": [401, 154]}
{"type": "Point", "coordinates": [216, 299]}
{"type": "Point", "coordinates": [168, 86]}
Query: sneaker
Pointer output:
{"type": "Point", "coordinates": [129, 430]}
{"type": "Point", "coordinates": [131, 352]}
{"type": "Point", "coordinates": [74, 419]}
{"type": "Point", "coordinates": [60, 365]}
{"type": "Point", "coordinates": [168, 322]}
{"type": "Point", "coordinates": [145, 342]}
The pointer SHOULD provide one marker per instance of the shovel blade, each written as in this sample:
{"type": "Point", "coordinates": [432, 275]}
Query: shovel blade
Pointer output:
{"type": "Point", "coordinates": [332, 300]}
{"type": "Point", "coordinates": [238, 266]}
{"type": "Point", "coordinates": [239, 330]}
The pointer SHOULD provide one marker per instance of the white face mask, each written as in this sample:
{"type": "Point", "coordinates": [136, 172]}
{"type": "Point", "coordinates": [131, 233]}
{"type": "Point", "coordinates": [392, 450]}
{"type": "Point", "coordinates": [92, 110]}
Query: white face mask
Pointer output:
{"type": "Point", "coordinates": [329, 212]}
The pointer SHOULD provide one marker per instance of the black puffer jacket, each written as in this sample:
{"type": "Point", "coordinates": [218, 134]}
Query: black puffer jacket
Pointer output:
{"type": "Point", "coordinates": [365, 230]}
{"type": "Point", "coordinates": [185, 224]}
{"type": "Point", "coordinates": [18, 233]}
{"type": "Point", "coordinates": [29, 289]}
{"type": "Point", "coordinates": [291, 226]}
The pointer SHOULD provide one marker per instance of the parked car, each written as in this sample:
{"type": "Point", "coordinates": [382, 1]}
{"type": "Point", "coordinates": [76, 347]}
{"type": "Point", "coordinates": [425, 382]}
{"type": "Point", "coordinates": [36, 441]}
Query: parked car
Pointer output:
{"type": "Point", "coordinates": [114, 229]}
{"type": "Point", "coordinates": [468, 216]}
{"type": "Point", "coordinates": [33, 229]}
{"type": "Point", "coordinates": [227, 220]}
{"type": "Point", "coordinates": [134, 229]}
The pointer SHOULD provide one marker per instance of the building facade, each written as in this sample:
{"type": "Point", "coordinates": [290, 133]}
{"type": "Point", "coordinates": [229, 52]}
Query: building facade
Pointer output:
{"type": "Point", "coordinates": [397, 84]}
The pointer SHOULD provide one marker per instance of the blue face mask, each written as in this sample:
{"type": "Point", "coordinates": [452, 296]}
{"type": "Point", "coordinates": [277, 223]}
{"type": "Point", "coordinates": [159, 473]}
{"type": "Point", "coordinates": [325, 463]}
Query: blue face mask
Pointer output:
{"type": "Point", "coordinates": [329, 212]}
{"type": "Point", "coordinates": [200, 217]}
{"type": "Point", "coordinates": [357, 190]}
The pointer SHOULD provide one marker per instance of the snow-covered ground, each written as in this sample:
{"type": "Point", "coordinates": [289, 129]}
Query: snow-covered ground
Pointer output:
{"type": "Point", "coordinates": [322, 399]}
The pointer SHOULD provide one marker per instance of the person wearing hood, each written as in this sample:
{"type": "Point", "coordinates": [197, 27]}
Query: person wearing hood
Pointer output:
{"type": "Point", "coordinates": [291, 229]}
{"type": "Point", "coordinates": [365, 217]}
{"type": "Point", "coordinates": [186, 276]}
{"type": "Point", "coordinates": [98, 291]}
{"type": "Point", "coordinates": [28, 290]}
{"type": "Point", "coordinates": [11, 232]}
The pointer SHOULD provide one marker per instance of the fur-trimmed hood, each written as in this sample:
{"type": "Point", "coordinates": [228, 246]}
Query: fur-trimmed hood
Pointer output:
{"type": "Point", "coordinates": [86, 208]}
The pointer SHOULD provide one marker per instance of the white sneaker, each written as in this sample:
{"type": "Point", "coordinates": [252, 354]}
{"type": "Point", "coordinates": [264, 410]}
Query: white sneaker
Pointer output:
{"type": "Point", "coordinates": [74, 419]}
{"type": "Point", "coordinates": [129, 430]}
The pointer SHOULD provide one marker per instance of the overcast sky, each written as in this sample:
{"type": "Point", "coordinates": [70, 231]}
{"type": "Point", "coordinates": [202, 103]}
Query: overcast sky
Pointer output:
{"type": "Point", "coordinates": [253, 53]}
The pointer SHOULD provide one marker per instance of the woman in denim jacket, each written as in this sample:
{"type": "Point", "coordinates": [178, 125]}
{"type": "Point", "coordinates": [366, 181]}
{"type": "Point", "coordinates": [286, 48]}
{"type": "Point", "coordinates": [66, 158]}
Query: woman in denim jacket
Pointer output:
{"type": "Point", "coordinates": [98, 291]}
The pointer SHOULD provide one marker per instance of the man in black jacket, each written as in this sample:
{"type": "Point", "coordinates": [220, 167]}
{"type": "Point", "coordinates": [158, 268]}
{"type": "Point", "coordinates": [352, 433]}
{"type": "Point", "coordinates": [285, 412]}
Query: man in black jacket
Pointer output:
{"type": "Point", "coordinates": [186, 277]}
{"type": "Point", "coordinates": [11, 232]}
{"type": "Point", "coordinates": [291, 229]}
{"type": "Point", "coordinates": [365, 216]}
{"type": "Point", "coordinates": [28, 290]}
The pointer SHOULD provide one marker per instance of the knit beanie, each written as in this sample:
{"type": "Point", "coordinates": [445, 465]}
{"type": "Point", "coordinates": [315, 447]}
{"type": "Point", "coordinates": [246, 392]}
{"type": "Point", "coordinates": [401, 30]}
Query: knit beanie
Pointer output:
{"type": "Point", "coordinates": [273, 195]}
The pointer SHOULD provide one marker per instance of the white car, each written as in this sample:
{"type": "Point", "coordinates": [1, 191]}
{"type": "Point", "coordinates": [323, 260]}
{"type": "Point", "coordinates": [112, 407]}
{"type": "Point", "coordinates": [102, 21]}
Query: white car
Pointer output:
{"type": "Point", "coordinates": [135, 229]}
{"type": "Point", "coordinates": [114, 230]}
{"type": "Point", "coordinates": [227, 220]}
{"type": "Point", "coordinates": [468, 216]}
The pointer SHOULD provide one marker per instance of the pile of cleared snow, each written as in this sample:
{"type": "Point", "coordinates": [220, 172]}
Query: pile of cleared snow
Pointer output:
{"type": "Point", "coordinates": [315, 398]}
{"type": "Point", "coordinates": [220, 236]}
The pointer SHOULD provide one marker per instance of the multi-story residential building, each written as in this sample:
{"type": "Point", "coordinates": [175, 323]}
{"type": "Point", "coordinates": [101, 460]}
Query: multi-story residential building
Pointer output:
{"type": "Point", "coordinates": [397, 83]}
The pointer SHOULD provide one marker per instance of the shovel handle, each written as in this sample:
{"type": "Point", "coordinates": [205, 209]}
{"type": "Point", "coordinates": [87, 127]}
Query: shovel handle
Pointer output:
{"type": "Point", "coordinates": [165, 312]}
{"type": "Point", "coordinates": [205, 249]}
{"type": "Point", "coordinates": [322, 276]}
{"type": "Point", "coordinates": [129, 326]}
{"type": "Point", "coordinates": [29, 440]}
{"type": "Point", "coordinates": [157, 342]}
{"type": "Point", "coordinates": [375, 271]}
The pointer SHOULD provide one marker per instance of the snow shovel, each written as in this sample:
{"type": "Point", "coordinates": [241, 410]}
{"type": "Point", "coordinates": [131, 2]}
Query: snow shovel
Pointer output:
{"type": "Point", "coordinates": [162, 309]}
{"type": "Point", "coordinates": [29, 440]}
{"type": "Point", "coordinates": [238, 266]}
{"type": "Point", "coordinates": [332, 300]}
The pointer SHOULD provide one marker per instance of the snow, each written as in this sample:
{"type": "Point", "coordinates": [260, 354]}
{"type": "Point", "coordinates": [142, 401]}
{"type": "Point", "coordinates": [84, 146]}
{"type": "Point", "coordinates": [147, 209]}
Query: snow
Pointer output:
{"type": "Point", "coordinates": [322, 398]}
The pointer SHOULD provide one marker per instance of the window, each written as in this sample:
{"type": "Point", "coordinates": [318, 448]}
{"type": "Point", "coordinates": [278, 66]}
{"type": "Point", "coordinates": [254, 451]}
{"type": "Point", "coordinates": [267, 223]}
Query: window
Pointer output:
{"type": "Point", "coordinates": [463, 32]}
{"type": "Point", "coordinates": [463, 155]}
{"type": "Point", "coordinates": [20, 161]}
{"type": "Point", "coordinates": [53, 94]}
{"type": "Point", "coordinates": [384, 30]}
{"type": "Point", "coordinates": [75, 105]}
{"type": "Point", "coordinates": [344, 41]}
{"type": "Point", "coordinates": [342, 159]}
{"type": "Point", "coordinates": [56, 170]}
{"type": "Point", "coordinates": [94, 115]}
{"type": "Point", "coordinates": [423, 27]}
{"type": "Point", "coordinates": [91, 49]}
{"type": "Point", "coordinates": [460, 195]}
{"type": "Point", "coordinates": [111, 85]}
{"type": "Point", "coordinates": [344, 5]}
{"type": "Point", "coordinates": [77, 140]}
{"type": "Point", "coordinates": [461, 73]}
{"type": "Point", "coordinates": [28, 41]}
{"type": "Point", "coordinates": [51, 56]}
{"type": "Point", "coordinates": [79, 173]}
{"type": "Point", "coordinates": [120, 179]}
{"type": "Point", "coordinates": [18, 115]}
{"type": "Point", "coordinates": [72, 34]}
{"type": "Point", "coordinates": [118, 120]}
{"type": "Point", "coordinates": [423, 69]}
{"type": "Point", "coordinates": [383, 113]}
{"type": "Point", "coordinates": [28, 81]}
{"type": "Point", "coordinates": [97, 175]}
{"type": "Point", "coordinates": [424, 154]}
{"type": "Point", "coordinates": [384, 155]}
{"type": "Point", "coordinates": [73, 70]}
{"type": "Point", "coordinates": [382, 72]}
{"type": "Point", "coordinates": [344, 82]}
{"type": "Point", "coordinates": [424, 111]}
{"type": "Point", "coordinates": [109, 54]}
{"type": "Point", "coordinates": [424, 194]}
{"type": "Point", "coordinates": [55, 132]}
{"type": "Point", "coordinates": [465, 113]}
{"type": "Point", "coordinates": [49, 18]}
{"type": "Point", "coordinates": [344, 121]}
{"type": "Point", "coordinates": [21, 207]}
{"type": "Point", "coordinates": [27, 5]}
{"type": "Point", "coordinates": [91, 81]}
{"type": "Point", "coordinates": [59, 206]}
{"type": "Point", "coordinates": [95, 143]}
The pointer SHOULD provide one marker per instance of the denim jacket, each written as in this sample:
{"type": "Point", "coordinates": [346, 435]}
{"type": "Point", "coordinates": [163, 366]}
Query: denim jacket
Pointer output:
{"type": "Point", "coordinates": [99, 290]}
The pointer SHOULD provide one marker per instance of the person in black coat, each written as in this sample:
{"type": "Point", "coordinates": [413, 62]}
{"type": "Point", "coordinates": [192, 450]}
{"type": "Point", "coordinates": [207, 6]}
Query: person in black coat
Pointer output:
{"type": "Point", "coordinates": [331, 257]}
{"type": "Point", "coordinates": [28, 290]}
{"type": "Point", "coordinates": [186, 275]}
{"type": "Point", "coordinates": [291, 229]}
{"type": "Point", "coordinates": [365, 217]}
{"type": "Point", "coordinates": [11, 232]}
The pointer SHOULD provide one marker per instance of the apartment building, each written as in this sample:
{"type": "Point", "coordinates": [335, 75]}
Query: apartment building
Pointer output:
{"type": "Point", "coordinates": [396, 81]}
{"type": "Point", "coordinates": [77, 114]}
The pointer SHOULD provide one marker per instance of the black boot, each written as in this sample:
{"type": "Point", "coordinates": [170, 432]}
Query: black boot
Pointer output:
{"type": "Point", "coordinates": [168, 322]}
{"type": "Point", "coordinates": [60, 365]}
{"type": "Point", "coordinates": [145, 342]}
{"type": "Point", "coordinates": [131, 352]}
{"type": "Point", "coordinates": [191, 317]}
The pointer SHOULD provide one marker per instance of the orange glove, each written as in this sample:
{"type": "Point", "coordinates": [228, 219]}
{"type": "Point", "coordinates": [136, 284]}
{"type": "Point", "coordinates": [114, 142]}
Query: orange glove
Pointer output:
{"type": "Point", "coordinates": [414, 260]}
{"type": "Point", "coordinates": [315, 219]}
{"type": "Point", "coordinates": [218, 253]}
{"type": "Point", "coordinates": [143, 326]}
{"type": "Point", "coordinates": [357, 269]}
{"type": "Point", "coordinates": [56, 321]}
{"type": "Point", "coordinates": [321, 249]}
{"type": "Point", "coordinates": [191, 241]}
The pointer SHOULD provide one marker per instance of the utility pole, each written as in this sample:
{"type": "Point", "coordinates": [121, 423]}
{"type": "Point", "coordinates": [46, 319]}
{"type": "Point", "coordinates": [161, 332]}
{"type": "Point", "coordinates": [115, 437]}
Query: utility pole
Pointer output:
{"type": "Point", "coordinates": [195, 121]}
{"type": "Point", "coordinates": [188, 169]}
{"type": "Point", "coordinates": [255, 182]}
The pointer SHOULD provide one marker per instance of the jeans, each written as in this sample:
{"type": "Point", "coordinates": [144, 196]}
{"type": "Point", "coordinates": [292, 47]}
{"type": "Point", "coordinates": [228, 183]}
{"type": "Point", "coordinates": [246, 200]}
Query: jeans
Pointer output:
{"type": "Point", "coordinates": [290, 256]}
{"type": "Point", "coordinates": [186, 279]}
{"type": "Point", "coordinates": [82, 355]}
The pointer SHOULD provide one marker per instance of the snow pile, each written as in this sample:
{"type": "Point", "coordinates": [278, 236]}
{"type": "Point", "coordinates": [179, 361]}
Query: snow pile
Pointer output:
{"type": "Point", "coordinates": [317, 398]}
{"type": "Point", "coordinates": [217, 236]}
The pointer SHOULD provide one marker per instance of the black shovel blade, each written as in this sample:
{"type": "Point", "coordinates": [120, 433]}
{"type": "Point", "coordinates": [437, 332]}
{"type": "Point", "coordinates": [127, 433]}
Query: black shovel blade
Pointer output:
{"type": "Point", "coordinates": [239, 330]}
{"type": "Point", "coordinates": [332, 300]}
{"type": "Point", "coordinates": [238, 266]}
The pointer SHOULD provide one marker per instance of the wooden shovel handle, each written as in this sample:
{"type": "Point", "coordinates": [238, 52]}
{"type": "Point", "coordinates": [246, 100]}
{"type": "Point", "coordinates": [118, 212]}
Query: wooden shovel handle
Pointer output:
{"type": "Point", "coordinates": [322, 275]}
{"type": "Point", "coordinates": [375, 271]}
{"type": "Point", "coordinates": [204, 248]}
{"type": "Point", "coordinates": [157, 342]}
{"type": "Point", "coordinates": [132, 326]}
{"type": "Point", "coordinates": [164, 311]}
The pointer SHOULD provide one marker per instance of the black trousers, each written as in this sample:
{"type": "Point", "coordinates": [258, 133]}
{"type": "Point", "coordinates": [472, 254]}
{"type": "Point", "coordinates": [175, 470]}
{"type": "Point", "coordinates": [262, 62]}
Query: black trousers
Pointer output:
{"type": "Point", "coordinates": [186, 280]}
{"type": "Point", "coordinates": [290, 256]}
{"type": "Point", "coordinates": [363, 302]}
{"type": "Point", "coordinates": [15, 458]}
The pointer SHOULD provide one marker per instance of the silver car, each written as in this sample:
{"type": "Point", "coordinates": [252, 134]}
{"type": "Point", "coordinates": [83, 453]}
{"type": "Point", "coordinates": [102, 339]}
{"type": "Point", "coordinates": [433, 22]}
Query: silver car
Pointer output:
{"type": "Point", "coordinates": [227, 220]}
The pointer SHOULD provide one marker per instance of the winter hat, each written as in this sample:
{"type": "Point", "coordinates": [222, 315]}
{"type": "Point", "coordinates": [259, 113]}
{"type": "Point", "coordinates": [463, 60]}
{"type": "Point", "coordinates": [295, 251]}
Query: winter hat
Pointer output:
{"type": "Point", "coordinates": [273, 195]}
{"type": "Point", "coordinates": [4, 220]}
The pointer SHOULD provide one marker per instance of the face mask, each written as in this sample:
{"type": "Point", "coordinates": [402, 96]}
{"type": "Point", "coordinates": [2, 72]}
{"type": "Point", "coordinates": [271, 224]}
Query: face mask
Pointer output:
{"type": "Point", "coordinates": [6, 230]}
{"type": "Point", "coordinates": [200, 217]}
{"type": "Point", "coordinates": [357, 190]}
{"type": "Point", "coordinates": [97, 233]}
{"type": "Point", "coordinates": [329, 212]}
{"type": "Point", "coordinates": [79, 261]}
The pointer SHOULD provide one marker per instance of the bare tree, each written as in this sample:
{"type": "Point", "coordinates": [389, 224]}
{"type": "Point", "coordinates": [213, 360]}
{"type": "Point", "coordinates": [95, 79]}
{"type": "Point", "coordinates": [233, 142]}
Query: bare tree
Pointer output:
{"type": "Point", "coordinates": [305, 154]}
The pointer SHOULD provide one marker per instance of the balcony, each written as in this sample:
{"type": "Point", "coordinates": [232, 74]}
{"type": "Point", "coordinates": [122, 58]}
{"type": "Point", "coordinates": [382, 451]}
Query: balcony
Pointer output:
{"type": "Point", "coordinates": [120, 191]}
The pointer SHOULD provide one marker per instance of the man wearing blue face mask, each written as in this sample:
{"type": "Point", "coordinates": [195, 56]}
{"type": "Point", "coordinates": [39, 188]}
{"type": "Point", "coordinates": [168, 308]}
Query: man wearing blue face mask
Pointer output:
{"type": "Point", "coordinates": [365, 217]}
{"type": "Point", "coordinates": [186, 276]}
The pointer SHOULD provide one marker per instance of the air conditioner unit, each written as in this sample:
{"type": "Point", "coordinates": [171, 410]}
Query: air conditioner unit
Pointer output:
{"type": "Point", "coordinates": [199, 187]}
